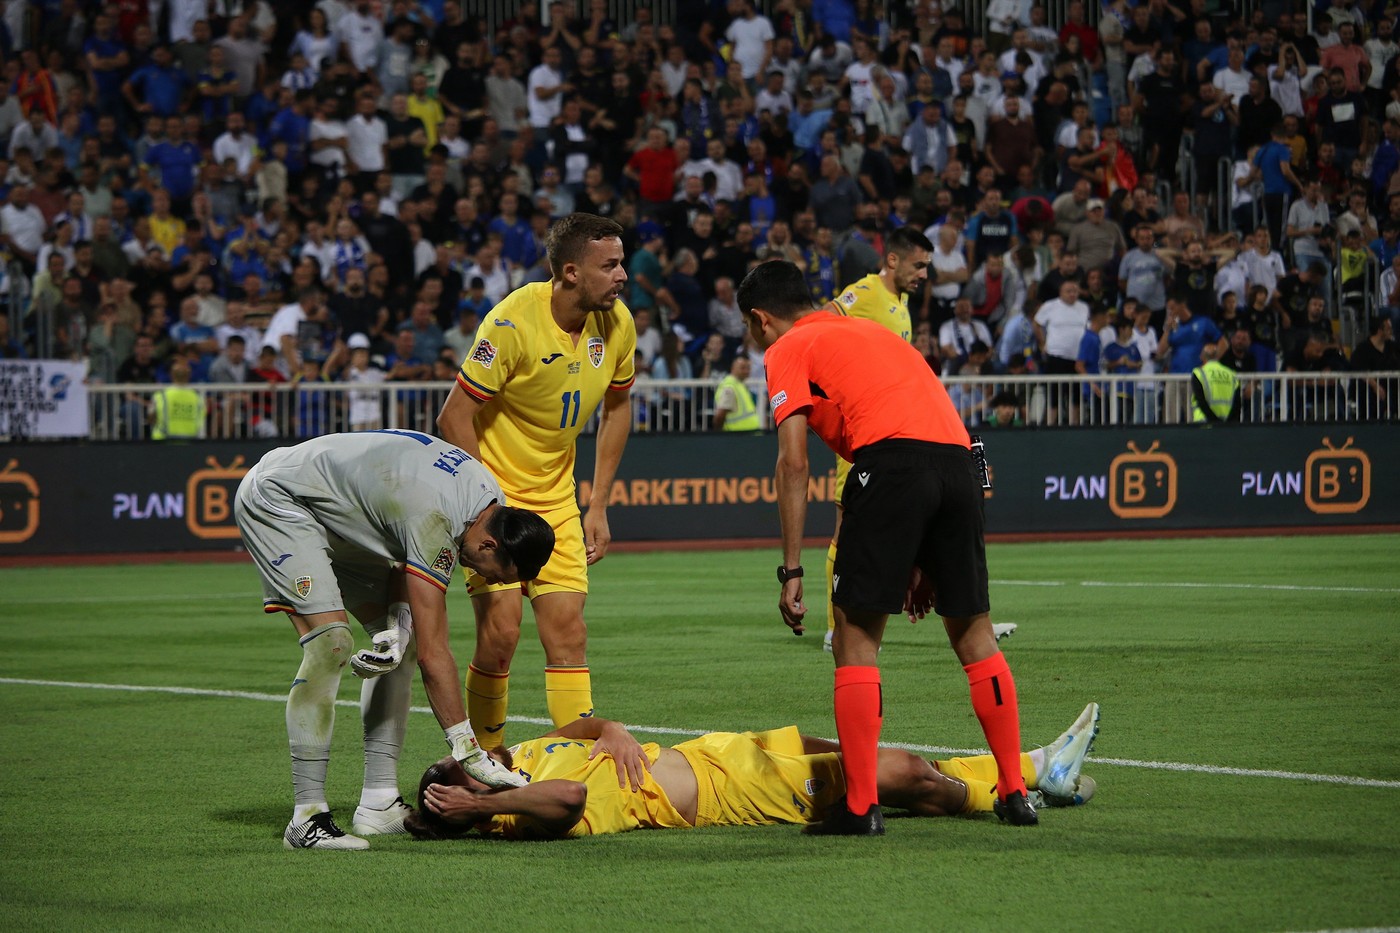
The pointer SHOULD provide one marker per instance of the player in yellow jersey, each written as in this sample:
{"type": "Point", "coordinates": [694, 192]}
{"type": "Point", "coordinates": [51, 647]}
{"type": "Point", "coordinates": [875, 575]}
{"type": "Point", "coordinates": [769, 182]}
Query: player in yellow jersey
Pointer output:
{"type": "Point", "coordinates": [592, 777]}
{"type": "Point", "coordinates": [543, 360]}
{"type": "Point", "coordinates": [882, 297]}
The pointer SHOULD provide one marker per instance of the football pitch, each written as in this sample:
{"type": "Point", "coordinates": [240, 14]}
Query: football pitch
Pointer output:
{"type": "Point", "coordinates": [1248, 764]}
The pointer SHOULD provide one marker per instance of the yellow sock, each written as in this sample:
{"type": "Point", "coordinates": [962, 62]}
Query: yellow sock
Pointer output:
{"type": "Point", "coordinates": [980, 796]}
{"type": "Point", "coordinates": [568, 692]}
{"type": "Point", "coordinates": [830, 570]}
{"type": "Point", "coordinates": [980, 775]}
{"type": "Point", "coordinates": [487, 697]}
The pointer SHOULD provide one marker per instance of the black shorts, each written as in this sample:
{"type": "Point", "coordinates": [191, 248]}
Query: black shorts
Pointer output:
{"type": "Point", "coordinates": [906, 503]}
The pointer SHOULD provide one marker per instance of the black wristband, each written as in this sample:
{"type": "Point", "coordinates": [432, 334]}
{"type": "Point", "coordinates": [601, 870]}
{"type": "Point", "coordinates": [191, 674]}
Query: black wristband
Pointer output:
{"type": "Point", "coordinates": [785, 574]}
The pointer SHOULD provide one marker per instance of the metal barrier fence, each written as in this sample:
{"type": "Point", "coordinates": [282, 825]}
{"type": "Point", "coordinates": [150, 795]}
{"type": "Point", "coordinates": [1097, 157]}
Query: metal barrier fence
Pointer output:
{"type": "Point", "coordinates": [687, 406]}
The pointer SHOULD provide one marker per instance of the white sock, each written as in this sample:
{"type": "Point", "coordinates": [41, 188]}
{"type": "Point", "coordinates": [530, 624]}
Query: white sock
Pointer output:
{"type": "Point", "coordinates": [378, 798]}
{"type": "Point", "coordinates": [311, 712]}
{"type": "Point", "coordinates": [384, 710]}
{"type": "Point", "coordinates": [304, 812]}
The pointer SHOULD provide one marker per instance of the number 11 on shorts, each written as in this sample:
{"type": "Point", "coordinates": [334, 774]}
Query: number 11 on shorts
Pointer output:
{"type": "Point", "coordinates": [570, 400]}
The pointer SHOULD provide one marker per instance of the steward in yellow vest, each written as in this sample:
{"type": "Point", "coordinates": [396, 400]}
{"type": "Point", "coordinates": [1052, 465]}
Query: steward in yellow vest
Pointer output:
{"type": "Point", "coordinates": [735, 409]}
{"type": "Point", "coordinates": [178, 410]}
{"type": "Point", "coordinates": [1215, 390]}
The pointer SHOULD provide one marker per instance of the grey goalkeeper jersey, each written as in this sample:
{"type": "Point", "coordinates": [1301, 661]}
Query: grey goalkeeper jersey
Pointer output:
{"type": "Point", "coordinates": [400, 495]}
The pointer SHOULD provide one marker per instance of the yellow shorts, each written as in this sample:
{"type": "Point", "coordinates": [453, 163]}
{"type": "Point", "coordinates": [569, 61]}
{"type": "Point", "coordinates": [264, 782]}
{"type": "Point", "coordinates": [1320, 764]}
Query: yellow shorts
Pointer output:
{"type": "Point", "coordinates": [566, 571]}
{"type": "Point", "coordinates": [757, 778]}
{"type": "Point", "coordinates": [842, 469]}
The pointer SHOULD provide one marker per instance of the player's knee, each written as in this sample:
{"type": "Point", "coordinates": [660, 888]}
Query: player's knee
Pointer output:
{"type": "Point", "coordinates": [329, 646]}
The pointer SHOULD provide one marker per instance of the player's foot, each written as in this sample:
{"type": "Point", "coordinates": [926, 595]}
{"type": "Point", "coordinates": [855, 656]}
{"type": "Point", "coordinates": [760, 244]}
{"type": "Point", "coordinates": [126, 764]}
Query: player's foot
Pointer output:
{"type": "Point", "coordinates": [489, 771]}
{"type": "Point", "coordinates": [826, 639]}
{"type": "Point", "coordinates": [386, 822]}
{"type": "Point", "coordinates": [840, 821]}
{"type": "Point", "coordinates": [1003, 629]}
{"type": "Point", "coordinates": [1016, 809]}
{"type": "Point", "coordinates": [1084, 791]}
{"type": "Point", "coordinates": [320, 832]}
{"type": "Point", "coordinates": [1065, 756]}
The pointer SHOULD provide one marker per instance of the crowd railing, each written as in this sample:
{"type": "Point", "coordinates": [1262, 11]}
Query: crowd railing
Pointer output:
{"type": "Point", "coordinates": [294, 411]}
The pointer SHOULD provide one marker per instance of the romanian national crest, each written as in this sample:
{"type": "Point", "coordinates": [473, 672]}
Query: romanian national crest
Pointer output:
{"type": "Point", "coordinates": [445, 560]}
{"type": "Point", "coordinates": [303, 587]}
{"type": "Point", "coordinates": [595, 351]}
{"type": "Point", "coordinates": [485, 354]}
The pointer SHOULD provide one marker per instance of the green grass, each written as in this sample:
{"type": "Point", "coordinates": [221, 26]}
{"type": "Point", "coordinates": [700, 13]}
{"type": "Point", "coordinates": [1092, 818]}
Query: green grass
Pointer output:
{"type": "Point", "coordinates": [139, 810]}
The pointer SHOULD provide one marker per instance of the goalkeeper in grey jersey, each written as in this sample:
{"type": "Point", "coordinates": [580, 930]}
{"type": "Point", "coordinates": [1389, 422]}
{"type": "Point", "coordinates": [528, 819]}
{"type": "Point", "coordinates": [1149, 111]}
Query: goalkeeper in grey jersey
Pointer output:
{"type": "Point", "coordinates": [375, 523]}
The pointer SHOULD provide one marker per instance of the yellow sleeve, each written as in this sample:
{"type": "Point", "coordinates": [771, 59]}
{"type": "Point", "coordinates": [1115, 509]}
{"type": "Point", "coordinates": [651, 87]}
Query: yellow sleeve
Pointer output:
{"type": "Point", "coordinates": [493, 357]}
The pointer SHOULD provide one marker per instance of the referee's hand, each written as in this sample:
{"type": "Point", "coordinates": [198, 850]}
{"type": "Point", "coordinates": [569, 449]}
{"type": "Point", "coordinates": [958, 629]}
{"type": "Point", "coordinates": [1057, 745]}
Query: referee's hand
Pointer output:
{"type": "Point", "coordinates": [791, 606]}
{"type": "Point", "coordinates": [918, 599]}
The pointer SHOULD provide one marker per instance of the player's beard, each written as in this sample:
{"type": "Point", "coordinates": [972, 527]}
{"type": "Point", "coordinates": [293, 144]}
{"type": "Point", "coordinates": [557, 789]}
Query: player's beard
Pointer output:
{"type": "Point", "coordinates": [605, 299]}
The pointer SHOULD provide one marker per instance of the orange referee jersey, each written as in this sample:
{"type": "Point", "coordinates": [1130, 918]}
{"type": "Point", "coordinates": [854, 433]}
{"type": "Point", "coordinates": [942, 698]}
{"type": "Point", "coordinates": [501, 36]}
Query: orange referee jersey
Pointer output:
{"type": "Point", "coordinates": [859, 384]}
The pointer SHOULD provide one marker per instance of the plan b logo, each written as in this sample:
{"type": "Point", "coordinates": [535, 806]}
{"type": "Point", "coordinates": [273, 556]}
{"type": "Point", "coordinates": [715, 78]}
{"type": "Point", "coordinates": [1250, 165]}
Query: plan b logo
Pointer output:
{"type": "Point", "coordinates": [1142, 483]}
{"type": "Point", "coordinates": [19, 505]}
{"type": "Point", "coordinates": [209, 499]}
{"type": "Point", "coordinates": [1337, 480]}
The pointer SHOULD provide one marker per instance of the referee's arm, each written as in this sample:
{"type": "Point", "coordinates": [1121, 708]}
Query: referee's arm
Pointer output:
{"type": "Point", "coordinates": [791, 477]}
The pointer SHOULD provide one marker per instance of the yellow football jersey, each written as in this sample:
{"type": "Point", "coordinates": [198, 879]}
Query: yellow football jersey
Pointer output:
{"type": "Point", "coordinates": [610, 809]}
{"type": "Point", "coordinates": [539, 388]}
{"type": "Point", "coordinates": [742, 779]}
{"type": "Point", "coordinates": [868, 298]}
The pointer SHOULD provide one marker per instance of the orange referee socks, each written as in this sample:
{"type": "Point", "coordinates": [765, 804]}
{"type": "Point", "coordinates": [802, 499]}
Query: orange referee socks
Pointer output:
{"type": "Point", "coordinates": [859, 715]}
{"type": "Point", "coordinates": [994, 702]}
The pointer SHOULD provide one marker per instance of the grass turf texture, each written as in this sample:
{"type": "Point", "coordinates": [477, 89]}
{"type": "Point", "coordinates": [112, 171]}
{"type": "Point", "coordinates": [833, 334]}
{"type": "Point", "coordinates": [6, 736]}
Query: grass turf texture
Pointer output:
{"type": "Point", "coordinates": [131, 810]}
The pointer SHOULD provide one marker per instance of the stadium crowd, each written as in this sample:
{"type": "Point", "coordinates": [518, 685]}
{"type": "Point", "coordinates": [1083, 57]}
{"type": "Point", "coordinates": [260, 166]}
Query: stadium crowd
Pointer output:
{"type": "Point", "coordinates": [217, 191]}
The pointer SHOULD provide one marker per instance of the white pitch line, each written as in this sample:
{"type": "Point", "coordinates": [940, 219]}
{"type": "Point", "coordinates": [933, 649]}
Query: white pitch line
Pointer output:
{"type": "Point", "coordinates": [1190, 585]}
{"type": "Point", "coordinates": [668, 730]}
{"type": "Point", "coordinates": [147, 598]}
{"type": "Point", "coordinates": [1106, 584]}
{"type": "Point", "coordinates": [1291, 587]}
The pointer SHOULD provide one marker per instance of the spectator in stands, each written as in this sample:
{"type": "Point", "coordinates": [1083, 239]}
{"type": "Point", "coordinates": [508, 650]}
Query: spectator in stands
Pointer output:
{"type": "Point", "coordinates": [1183, 340]}
{"type": "Point", "coordinates": [1378, 353]}
{"type": "Point", "coordinates": [957, 336]}
{"type": "Point", "coordinates": [1099, 242]}
{"type": "Point", "coordinates": [1059, 324]}
{"type": "Point", "coordinates": [1142, 274]}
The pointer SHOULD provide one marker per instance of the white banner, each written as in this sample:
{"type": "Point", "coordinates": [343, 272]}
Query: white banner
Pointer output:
{"type": "Point", "coordinates": [43, 398]}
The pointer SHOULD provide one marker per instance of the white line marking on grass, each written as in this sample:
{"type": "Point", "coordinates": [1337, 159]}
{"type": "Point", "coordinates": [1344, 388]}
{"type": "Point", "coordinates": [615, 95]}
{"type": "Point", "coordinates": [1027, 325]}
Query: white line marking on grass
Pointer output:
{"type": "Point", "coordinates": [1187, 585]}
{"type": "Point", "coordinates": [147, 598]}
{"type": "Point", "coordinates": [668, 730]}
{"type": "Point", "coordinates": [1361, 930]}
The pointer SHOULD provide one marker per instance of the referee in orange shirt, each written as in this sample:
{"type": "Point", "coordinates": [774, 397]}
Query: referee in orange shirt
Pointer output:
{"type": "Point", "coordinates": [912, 536]}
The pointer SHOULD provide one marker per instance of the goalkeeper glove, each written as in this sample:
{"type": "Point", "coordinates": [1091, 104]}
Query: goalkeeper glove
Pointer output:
{"type": "Point", "coordinates": [388, 650]}
{"type": "Point", "coordinates": [476, 762]}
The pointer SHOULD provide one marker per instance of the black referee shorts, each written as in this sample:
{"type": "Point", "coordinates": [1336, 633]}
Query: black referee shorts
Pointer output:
{"type": "Point", "coordinates": [912, 502]}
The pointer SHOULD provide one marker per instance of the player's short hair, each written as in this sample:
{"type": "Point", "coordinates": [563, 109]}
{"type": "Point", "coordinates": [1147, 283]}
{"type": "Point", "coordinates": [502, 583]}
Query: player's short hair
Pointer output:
{"type": "Point", "coordinates": [525, 539]}
{"type": "Point", "coordinates": [778, 287]}
{"type": "Point", "coordinates": [568, 238]}
{"type": "Point", "coordinates": [906, 239]}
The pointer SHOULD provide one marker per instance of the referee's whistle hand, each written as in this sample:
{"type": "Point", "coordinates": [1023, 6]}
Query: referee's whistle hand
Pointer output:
{"type": "Point", "coordinates": [792, 607]}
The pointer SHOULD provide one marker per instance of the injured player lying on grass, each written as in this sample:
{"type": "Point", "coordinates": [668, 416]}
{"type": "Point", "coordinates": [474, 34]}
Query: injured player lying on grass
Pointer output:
{"type": "Point", "coordinates": [592, 777]}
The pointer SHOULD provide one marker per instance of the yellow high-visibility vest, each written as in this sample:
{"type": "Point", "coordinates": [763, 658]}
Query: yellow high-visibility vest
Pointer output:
{"type": "Point", "coordinates": [179, 414]}
{"type": "Point", "coordinates": [745, 416]}
{"type": "Point", "coordinates": [1219, 382]}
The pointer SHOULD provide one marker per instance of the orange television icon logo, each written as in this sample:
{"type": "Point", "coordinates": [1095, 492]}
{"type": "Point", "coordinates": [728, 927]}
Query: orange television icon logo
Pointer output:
{"type": "Point", "coordinates": [1337, 480]}
{"type": "Point", "coordinates": [209, 499]}
{"type": "Point", "coordinates": [1142, 483]}
{"type": "Point", "coordinates": [19, 505]}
